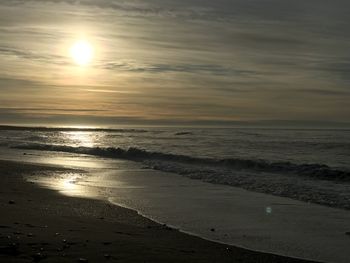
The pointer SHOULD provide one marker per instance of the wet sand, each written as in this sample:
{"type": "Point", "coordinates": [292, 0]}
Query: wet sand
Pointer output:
{"type": "Point", "coordinates": [42, 225]}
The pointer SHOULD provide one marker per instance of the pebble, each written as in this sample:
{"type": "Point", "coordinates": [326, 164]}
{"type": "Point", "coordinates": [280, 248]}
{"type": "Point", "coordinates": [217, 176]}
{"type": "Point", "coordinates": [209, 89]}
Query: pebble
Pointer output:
{"type": "Point", "coordinates": [83, 260]}
{"type": "Point", "coordinates": [12, 202]}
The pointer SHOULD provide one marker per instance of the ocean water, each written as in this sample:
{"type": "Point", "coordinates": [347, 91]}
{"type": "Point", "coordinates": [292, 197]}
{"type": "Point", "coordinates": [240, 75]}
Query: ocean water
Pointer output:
{"type": "Point", "coordinates": [308, 165]}
{"type": "Point", "coordinates": [197, 180]}
{"type": "Point", "coordinates": [324, 147]}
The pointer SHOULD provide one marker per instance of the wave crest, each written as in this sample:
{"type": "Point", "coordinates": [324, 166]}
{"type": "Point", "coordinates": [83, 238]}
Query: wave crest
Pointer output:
{"type": "Point", "coordinates": [317, 171]}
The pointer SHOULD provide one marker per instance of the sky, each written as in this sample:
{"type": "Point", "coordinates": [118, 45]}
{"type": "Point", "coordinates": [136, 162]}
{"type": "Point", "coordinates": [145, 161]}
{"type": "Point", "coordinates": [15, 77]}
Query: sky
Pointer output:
{"type": "Point", "coordinates": [175, 62]}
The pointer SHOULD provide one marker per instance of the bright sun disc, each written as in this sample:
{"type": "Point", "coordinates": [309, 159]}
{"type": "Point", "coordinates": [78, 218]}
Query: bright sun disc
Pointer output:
{"type": "Point", "coordinates": [82, 52]}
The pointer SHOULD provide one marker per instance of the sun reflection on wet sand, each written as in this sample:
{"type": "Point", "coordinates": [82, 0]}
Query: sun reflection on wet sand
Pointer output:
{"type": "Point", "coordinates": [75, 163]}
{"type": "Point", "coordinates": [67, 183]}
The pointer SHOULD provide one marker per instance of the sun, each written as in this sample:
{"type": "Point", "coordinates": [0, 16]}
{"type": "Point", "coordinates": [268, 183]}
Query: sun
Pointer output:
{"type": "Point", "coordinates": [82, 52]}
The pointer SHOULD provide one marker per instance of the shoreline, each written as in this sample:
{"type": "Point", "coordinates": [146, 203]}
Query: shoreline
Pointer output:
{"type": "Point", "coordinates": [43, 225]}
{"type": "Point", "coordinates": [305, 182]}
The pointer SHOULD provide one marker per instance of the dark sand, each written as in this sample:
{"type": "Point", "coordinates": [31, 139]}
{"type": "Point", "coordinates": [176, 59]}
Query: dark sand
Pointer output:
{"type": "Point", "coordinates": [42, 225]}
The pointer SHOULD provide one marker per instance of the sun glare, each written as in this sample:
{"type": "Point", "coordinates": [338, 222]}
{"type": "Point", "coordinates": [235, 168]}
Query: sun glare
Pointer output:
{"type": "Point", "coordinates": [81, 52]}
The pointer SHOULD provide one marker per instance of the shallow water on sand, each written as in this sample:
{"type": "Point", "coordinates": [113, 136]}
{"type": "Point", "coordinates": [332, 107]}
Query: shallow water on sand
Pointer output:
{"type": "Point", "coordinates": [217, 212]}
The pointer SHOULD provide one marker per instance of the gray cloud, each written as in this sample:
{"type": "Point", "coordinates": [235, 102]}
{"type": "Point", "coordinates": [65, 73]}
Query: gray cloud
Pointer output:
{"type": "Point", "coordinates": [7, 81]}
{"type": "Point", "coordinates": [143, 8]}
{"type": "Point", "coordinates": [336, 69]}
{"type": "Point", "coordinates": [34, 56]}
{"type": "Point", "coordinates": [183, 68]}
{"type": "Point", "coordinates": [129, 66]}
{"type": "Point", "coordinates": [16, 109]}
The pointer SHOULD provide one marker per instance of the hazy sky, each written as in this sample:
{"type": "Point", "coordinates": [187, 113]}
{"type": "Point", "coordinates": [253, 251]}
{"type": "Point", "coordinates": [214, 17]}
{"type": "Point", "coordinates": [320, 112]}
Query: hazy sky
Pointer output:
{"type": "Point", "coordinates": [183, 60]}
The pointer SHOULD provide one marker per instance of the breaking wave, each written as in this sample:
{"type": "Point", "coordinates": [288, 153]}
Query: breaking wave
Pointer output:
{"type": "Point", "coordinates": [316, 171]}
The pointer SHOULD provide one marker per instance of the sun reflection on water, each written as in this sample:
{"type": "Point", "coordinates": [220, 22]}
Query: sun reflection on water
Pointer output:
{"type": "Point", "coordinates": [80, 138]}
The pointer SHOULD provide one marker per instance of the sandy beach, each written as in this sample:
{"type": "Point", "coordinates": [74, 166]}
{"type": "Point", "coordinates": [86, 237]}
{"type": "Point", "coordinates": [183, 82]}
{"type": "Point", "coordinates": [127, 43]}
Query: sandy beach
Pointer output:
{"type": "Point", "coordinates": [42, 225]}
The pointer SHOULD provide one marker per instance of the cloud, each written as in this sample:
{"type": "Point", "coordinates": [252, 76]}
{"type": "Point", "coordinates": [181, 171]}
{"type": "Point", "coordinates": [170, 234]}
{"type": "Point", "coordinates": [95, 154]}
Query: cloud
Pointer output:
{"type": "Point", "coordinates": [336, 69]}
{"type": "Point", "coordinates": [111, 91]}
{"type": "Point", "coordinates": [33, 56]}
{"type": "Point", "coordinates": [324, 92]}
{"type": "Point", "coordinates": [137, 7]}
{"type": "Point", "coordinates": [129, 66]}
{"type": "Point", "coordinates": [190, 9]}
{"type": "Point", "coordinates": [16, 109]}
{"type": "Point", "coordinates": [10, 81]}
{"type": "Point", "coordinates": [270, 40]}
{"type": "Point", "coordinates": [176, 68]}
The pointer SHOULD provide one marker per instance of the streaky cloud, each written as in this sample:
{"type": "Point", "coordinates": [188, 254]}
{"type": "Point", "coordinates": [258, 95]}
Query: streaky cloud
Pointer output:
{"type": "Point", "coordinates": [184, 68]}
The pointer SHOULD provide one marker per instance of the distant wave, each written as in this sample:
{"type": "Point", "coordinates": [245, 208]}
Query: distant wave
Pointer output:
{"type": "Point", "coordinates": [316, 171]}
{"type": "Point", "coordinates": [4, 144]}
{"type": "Point", "coordinates": [184, 133]}
{"type": "Point", "coordinates": [65, 129]}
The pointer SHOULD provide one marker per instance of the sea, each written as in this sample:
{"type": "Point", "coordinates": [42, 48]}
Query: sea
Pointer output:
{"type": "Point", "coordinates": [284, 162]}
{"type": "Point", "coordinates": [283, 191]}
